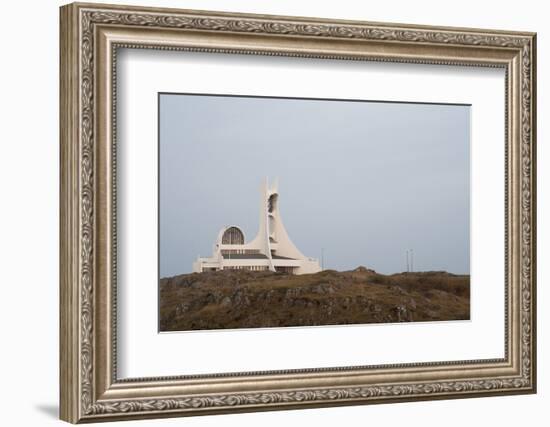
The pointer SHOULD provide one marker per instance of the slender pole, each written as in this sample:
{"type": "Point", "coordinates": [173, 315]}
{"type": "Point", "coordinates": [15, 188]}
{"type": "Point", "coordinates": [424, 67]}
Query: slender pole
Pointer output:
{"type": "Point", "coordinates": [407, 255]}
{"type": "Point", "coordinates": [322, 259]}
{"type": "Point", "coordinates": [412, 260]}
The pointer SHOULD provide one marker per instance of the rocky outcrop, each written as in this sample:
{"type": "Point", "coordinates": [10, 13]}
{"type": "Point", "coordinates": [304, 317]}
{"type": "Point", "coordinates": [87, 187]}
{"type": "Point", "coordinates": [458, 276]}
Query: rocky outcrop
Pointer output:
{"type": "Point", "coordinates": [244, 299]}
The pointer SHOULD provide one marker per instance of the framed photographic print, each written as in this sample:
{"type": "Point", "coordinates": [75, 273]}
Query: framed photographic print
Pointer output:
{"type": "Point", "coordinates": [266, 212]}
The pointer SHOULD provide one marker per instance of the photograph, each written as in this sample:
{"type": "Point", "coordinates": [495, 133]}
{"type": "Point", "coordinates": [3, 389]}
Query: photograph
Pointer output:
{"type": "Point", "coordinates": [282, 212]}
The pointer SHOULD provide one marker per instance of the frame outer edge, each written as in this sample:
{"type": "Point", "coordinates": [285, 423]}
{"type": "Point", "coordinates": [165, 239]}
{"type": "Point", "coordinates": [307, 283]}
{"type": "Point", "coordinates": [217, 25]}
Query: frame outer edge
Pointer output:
{"type": "Point", "coordinates": [77, 342]}
{"type": "Point", "coordinates": [68, 226]}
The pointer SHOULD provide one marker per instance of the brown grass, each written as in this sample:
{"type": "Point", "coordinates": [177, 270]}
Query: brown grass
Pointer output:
{"type": "Point", "coordinates": [232, 299]}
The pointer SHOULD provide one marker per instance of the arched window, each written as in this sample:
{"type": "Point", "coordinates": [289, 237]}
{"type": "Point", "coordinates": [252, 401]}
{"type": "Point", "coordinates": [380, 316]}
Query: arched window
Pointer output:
{"type": "Point", "coordinates": [233, 236]}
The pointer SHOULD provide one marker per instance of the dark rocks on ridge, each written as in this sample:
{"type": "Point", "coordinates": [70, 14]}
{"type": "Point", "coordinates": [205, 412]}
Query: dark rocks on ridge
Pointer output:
{"type": "Point", "coordinates": [231, 299]}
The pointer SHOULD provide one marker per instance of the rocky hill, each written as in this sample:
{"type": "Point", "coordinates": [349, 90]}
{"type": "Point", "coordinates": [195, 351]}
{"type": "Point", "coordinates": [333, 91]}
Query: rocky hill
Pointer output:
{"type": "Point", "coordinates": [232, 299]}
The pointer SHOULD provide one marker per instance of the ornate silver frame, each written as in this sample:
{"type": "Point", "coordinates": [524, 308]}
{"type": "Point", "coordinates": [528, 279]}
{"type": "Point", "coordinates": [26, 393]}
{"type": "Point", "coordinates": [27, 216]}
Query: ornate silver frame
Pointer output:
{"type": "Point", "coordinates": [90, 35]}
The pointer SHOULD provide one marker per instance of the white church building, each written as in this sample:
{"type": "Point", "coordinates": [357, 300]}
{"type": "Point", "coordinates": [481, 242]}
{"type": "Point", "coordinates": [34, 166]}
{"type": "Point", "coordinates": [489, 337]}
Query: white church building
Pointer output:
{"type": "Point", "coordinates": [271, 249]}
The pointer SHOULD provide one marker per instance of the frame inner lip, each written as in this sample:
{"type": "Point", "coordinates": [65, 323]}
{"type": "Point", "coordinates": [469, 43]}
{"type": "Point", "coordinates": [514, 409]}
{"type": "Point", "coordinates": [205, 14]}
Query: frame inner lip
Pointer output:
{"type": "Point", "coordinates": [342, 370]}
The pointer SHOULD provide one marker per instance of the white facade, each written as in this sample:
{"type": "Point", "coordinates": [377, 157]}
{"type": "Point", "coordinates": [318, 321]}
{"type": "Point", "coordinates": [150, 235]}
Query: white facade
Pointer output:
{"type": "Point", "coordinates": [271, 249]}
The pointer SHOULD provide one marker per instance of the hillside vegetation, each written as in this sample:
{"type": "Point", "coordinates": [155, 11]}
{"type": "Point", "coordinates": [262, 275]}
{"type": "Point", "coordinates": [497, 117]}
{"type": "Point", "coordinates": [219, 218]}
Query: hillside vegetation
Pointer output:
{"type": "Point", "coordinates": [230, 299]}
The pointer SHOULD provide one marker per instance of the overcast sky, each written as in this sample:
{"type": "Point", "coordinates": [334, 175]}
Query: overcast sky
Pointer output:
{"type": "Point", "coordinates": [364, 180]}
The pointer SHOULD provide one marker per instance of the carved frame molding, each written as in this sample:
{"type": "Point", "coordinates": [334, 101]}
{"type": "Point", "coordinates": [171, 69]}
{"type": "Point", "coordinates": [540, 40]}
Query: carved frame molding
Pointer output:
{"type": "Point", "coordinates": [90, 35]}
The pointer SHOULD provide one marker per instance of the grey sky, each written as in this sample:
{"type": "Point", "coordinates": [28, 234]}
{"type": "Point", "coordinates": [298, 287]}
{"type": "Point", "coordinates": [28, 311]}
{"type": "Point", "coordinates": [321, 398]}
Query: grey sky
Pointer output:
{"type": "Point", "coordinates": [364, 180]}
